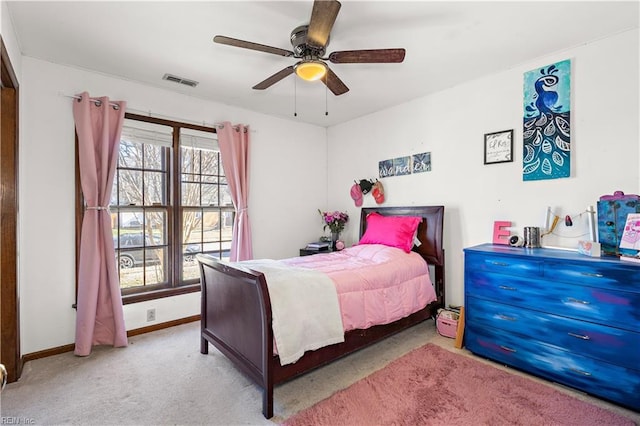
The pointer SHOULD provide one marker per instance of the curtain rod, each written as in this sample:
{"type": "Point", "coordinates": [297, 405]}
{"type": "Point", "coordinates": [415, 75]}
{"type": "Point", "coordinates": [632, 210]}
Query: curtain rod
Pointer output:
{"type": "Point", "coordinates": [149, 113]}
{"type": "Point", "coordinates": [94, 100]}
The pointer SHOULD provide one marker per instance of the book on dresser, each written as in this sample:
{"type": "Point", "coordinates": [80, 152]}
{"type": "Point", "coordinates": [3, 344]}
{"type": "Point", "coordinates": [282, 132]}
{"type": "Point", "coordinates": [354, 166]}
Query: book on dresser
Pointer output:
{"type": "Point", "coordinates": [557, 314]}
{"type": "Point", "coordinates": [318, 245]}
{"type": "Point", "coordinates": [626, 258]}
{"type": "Point", "coordinates": [631, 239]}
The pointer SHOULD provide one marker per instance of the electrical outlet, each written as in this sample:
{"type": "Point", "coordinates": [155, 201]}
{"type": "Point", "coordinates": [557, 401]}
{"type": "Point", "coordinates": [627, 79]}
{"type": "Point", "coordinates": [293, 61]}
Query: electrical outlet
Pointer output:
{"type": "Point", "coordinates": [151, 314]}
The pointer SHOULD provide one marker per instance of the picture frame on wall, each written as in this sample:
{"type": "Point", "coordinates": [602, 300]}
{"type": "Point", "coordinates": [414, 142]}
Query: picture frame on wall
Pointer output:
{"type": "Point", "coordinates": [498, 147]}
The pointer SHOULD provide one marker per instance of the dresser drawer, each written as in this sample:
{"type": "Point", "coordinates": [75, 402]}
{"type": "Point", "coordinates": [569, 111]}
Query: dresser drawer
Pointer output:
{"type": "Point", "coordinates": [622, 277]}
{"type": "Point", "coordinates": [599, 305]}
{"type": "Point", "coordinates": [520, 267]}
{"type": "Point", "coordinates": [607, 343]}
{"type": "Point", "coordinates": [605, 380]}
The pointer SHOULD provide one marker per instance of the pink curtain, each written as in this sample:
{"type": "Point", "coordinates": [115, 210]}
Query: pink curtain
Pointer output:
{"type": "Point", "coordinates": [234, 150]}
{"type": "Point", "coordinates": [100, 318]}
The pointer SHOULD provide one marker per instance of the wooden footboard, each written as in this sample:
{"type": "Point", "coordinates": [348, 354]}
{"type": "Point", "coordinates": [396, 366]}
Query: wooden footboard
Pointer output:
{"type": "Point", "coordinates": [236, 319]}
{"type": "Point", "coordinates": [236, 313]}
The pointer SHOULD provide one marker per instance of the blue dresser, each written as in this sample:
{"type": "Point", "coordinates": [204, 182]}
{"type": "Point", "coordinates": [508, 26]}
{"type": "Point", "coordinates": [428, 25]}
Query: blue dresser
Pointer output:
{"type": "Point", "coordinates": [567, 317]}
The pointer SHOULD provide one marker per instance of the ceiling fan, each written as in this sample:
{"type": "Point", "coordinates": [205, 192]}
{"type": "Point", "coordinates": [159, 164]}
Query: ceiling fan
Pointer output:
{"type": "Point", "coordinates": [309, 45]}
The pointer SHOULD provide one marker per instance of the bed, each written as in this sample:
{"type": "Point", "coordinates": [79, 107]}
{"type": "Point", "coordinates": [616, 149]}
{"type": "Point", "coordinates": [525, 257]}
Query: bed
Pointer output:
{"type": "Point", "coordinates": [236, 314]}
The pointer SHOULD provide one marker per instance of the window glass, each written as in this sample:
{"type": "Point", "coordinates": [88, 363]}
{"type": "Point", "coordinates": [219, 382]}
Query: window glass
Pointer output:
{"type": "Point", "coordinates": [205, 200]}
{"type": "Point", "coordinates": [129, 187]}
{"type": "Point", "coordinates": [130, 154]}
{"type": "Point", "coordinates": [139, 206]}
{"type": "Point", "coordinates": [155, 188]}
{"type": "Point", "coordinates": [153, 158]}
{"type": "Point", "coordinates": [168, 203]}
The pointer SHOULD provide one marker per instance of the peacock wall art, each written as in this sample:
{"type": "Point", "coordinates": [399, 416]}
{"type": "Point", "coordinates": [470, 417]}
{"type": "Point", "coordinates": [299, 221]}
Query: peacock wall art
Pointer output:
{"type": "Point", "coordinates": [546, 152]}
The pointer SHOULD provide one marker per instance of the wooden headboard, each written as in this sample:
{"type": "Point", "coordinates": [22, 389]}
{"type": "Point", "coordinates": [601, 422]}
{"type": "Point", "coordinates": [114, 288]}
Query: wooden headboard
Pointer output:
{"type": "Point", "coordinates": [429, 234]}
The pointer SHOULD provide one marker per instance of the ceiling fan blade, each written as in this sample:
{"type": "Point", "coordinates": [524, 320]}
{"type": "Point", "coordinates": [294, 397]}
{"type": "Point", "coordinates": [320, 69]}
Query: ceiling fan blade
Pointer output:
{"type": "Point", "coordinates": [250, 45]}
{"type": "Point", "coordinates": [334, 83]}
{"type": "Point", "coordinates": [323, 16]}
{"type": "Point", "coordinates": [367, 56]}
{"type": "Point", "coordinates": [270, 81]}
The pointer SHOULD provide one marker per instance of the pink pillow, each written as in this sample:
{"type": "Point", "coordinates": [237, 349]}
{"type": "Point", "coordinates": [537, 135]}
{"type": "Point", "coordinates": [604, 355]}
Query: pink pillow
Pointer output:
{"type": "Point", "coordinates": [392, 231]}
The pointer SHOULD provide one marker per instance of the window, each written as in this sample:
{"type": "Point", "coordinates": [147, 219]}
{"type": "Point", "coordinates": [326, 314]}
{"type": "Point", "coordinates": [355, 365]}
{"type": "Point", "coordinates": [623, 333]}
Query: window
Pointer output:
{"type": "Point", "coordinates": [170, 200]}
{"type": "Point", "coordinates": [207, 209]}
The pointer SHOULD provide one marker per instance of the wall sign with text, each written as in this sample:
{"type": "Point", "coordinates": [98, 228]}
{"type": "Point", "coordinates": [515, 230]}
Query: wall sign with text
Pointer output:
{"type": "Point", "coordinates": [416, 163]}
{"type": "Point", "coordinates": [498, 147]}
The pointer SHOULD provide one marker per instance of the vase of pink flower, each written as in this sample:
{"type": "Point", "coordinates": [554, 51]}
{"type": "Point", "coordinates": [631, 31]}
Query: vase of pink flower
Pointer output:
{"type": "Point", "coordinates": [335, 221]}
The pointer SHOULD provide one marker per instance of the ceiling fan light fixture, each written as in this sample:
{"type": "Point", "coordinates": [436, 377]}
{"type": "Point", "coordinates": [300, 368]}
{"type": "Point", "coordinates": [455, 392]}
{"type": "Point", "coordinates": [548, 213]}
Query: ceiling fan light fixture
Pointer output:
{"type": "Point", "coordinates": [311, 70]}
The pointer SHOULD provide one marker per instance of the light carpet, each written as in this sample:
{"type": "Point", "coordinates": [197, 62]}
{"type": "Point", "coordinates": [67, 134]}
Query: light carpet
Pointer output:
{"type": "Point", "coordinates": [434, 386]}
{"type": "Point", "coordinates": [162, 379]}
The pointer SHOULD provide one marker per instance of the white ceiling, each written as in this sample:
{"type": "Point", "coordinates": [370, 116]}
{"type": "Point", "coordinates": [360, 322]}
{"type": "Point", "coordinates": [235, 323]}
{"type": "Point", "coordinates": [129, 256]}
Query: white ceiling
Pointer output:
{"type": "Point", "coordinates": [447, 43]}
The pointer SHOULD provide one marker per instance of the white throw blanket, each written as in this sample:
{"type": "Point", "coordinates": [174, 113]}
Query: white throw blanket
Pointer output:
{"type": "Point", "coordinates": [304, 307]}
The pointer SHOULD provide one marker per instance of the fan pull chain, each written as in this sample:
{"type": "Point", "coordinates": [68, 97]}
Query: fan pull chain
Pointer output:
{"type": "Point", "coordinates": [295, 97]}
{"type": "Point", "coordinates": [326, 108]}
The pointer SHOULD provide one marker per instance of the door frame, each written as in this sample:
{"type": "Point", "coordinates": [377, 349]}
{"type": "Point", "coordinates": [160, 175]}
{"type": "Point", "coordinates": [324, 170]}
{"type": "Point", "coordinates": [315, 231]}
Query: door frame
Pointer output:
{"type": "Point", "coordinates": [9, 298]}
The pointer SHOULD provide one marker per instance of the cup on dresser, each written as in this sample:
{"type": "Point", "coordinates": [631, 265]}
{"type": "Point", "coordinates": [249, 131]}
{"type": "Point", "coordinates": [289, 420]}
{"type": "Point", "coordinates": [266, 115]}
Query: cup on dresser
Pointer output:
{"type": "Point", "coordinates": [531, 236]}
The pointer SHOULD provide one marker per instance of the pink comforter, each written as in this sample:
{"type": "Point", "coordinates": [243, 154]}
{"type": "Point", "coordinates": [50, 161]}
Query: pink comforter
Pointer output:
{"type": "Point", "coordinates": [376, 284]}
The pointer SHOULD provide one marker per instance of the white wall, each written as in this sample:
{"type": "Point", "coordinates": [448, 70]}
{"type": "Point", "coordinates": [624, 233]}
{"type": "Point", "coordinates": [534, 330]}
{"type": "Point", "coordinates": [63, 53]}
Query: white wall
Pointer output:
{"type": "Point", "coordinates": [288, 169]}
{"type": "Point", "coordinates": [291, 176]}
{"type": "Point", "coordinates": [451, 124]}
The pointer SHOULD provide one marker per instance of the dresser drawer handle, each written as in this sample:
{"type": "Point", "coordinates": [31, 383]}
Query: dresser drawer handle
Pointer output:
{"type": "Point", "coordinates": [582, 373]}
{"type": "Point", "coordinates": [582, 302]}
{"type": "Point", "coordinates": [507, 318]}
{"type": "Point", "coordinates": [504, 287]}
{"type": "Point", "coordinates": [589, 274]}
{"type": "Point", "coordinates": [504, 348]}
{"type": "Point", "coordinates": [499, 263]}
{"type": "Point", "coordinates": [579, 336]}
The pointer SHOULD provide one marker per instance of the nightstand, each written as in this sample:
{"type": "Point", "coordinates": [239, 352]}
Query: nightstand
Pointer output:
{"type": "Point", "coordinates": [308, 252]}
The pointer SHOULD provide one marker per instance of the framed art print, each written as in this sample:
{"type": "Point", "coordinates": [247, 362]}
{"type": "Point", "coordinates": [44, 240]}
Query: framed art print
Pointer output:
{"type": "Point", "coordinates": [385, 168]}
{"type": "Point", "coordinates": [546, 126]}
{"type": "Point", "coordinates": [498, 147]}
{"type": "Point", "coordinates": [421, 162]}
{"type": "Point", "coordinates": [402, 166]}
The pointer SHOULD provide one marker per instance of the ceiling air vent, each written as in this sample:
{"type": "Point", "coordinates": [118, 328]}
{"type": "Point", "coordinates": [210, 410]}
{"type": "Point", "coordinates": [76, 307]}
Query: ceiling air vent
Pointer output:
{"type": "Point", "coordinates": [176, 79]}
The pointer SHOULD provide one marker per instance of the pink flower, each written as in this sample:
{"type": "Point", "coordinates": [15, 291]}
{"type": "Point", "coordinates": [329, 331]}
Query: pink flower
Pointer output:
{"type": "Point", "coordinates": [335, 220]}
